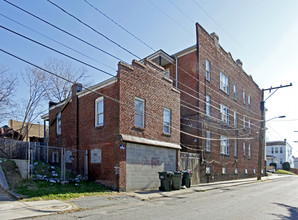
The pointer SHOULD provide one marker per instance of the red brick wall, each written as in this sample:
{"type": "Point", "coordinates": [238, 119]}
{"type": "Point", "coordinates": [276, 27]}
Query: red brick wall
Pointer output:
{"type": "Point", "coordinates": [220, 61]}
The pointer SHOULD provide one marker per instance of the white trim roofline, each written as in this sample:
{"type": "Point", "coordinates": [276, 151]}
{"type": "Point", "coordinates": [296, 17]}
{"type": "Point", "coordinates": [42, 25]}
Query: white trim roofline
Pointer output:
{"type": "Point", "coordinates": [129, 138]}
{"type": "Point", "coordinates": [97, 86]}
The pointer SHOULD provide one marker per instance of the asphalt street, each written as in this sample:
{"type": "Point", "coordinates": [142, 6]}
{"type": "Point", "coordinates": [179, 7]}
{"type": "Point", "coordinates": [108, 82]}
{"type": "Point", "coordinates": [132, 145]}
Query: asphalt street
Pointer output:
{"type": "Point", "coordinates": [272, 199]}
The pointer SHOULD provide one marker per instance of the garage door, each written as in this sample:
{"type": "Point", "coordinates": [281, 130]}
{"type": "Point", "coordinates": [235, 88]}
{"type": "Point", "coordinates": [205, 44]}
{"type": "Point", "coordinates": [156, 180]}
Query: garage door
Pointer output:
{"type": "Point", "coordinates": [143, 162]}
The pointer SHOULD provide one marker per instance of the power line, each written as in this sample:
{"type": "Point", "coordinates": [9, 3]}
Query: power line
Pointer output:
{"type": "Point", "coordinates": [170, 17]}
{"type": "Point", "coordinates": [127, 31]}
{"type": "Point", "coordinates": [60, 29]}
{"type": "Point", "coordinates": [182, 12]}
{"type": "Point", "coordinates": [221, 27]}
{"type": "Point", "coordinates": [64, 45]}
{"type": "Point", "coordinates": [93, 29]}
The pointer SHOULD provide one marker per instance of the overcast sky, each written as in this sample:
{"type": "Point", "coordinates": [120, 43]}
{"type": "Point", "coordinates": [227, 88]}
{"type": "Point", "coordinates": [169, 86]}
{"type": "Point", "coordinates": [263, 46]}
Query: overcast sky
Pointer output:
{"type": "Point", "coordinates": [263, 34]}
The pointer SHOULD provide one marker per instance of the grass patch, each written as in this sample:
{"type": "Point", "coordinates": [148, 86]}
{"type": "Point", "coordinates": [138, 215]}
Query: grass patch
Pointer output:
{"type": "Point", "coordinates": [284, 172]}
{"type": "Point", "coordinates": [43, 190]}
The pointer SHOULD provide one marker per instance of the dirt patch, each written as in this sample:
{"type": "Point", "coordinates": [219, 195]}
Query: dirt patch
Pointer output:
{"type": "Point", "coordinates": [11, 172]}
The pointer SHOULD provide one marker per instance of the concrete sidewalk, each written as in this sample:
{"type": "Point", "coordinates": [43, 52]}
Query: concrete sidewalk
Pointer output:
{"type": "Point", "coordinates": [155, 194]}
{"type": "Point", "coordinates": [21, 209]}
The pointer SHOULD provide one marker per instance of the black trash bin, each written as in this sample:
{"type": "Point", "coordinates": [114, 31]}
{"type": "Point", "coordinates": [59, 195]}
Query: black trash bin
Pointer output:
{"type": "Point", "coordinates": [177, 181]}
{"type": "Point", "coordinates": [165, 180]}
{"type": "Point", "coordinates": [186, 179]}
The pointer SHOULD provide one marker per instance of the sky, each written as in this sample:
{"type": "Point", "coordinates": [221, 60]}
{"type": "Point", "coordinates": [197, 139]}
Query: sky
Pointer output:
{"type": "Point", "coordinates": [263, 34]}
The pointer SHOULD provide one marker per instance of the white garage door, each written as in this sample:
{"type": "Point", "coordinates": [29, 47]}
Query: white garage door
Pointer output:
{"type": "Point", "coordinates": [143, 162]}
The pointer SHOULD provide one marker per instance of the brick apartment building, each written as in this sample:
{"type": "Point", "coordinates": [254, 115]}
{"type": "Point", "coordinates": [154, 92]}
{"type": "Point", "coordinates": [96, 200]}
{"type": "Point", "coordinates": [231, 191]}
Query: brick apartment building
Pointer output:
{"type": "Point", "coordinates": [220, 108]}
{"type": "Point", "coordinates": [130, 125]}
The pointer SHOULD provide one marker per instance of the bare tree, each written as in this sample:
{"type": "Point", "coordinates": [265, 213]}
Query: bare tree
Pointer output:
{"type": "Point", "coordinates": [57, 89]}
{"type": "Point", "coordinates": [8, 83]}
{"type": "Point", "coordinates": [33, 105]}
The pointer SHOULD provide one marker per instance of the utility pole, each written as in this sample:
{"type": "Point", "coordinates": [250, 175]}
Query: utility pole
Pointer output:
{"type": "Point", "coordinates": [262, 129]}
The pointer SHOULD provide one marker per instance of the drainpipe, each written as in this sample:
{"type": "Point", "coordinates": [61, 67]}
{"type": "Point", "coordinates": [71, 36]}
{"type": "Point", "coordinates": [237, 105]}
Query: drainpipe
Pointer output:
{"type": "Point", "coordinates": [176, 82]}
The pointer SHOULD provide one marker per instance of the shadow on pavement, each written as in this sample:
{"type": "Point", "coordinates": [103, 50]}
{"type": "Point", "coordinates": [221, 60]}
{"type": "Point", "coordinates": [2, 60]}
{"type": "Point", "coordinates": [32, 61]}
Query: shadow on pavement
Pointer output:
{"type": "Point", "coordinates": [291, 209]}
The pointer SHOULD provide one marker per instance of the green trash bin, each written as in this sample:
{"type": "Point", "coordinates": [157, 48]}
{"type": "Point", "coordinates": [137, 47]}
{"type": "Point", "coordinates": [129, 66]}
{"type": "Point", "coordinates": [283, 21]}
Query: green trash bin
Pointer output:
{"type": "Point", "coordinates": [165, 180]}
{"type": "Point", "coordinates": [186, 179]}
{"type": "Point", "coordinates": [177, 181]}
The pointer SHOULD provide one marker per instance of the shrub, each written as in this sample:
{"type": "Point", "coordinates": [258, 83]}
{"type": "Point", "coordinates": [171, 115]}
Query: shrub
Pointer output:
{"type": "Point", "coordinates": [273, 164]}
{"type": "Point", "coordinates": [286, 166]}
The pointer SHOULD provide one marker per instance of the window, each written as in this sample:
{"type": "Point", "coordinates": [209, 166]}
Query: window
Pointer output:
{"type": "Point", "coordinates": [207, 105]}
{"type": "Point", "coordinates": [99, 112]}
{"type": "Point", "coordinates": [280, 160]}
{"type": "Point", "coordinates": [280, 150]}
{"type": "Point", "coordinates": [224, 83]}
{"type": "Point", "coordinates": [224, 113]}
{"type": "Point", "coordinates": [208, 144]}
{"type": "Point", "coordinates": [224, 145]}
{"type": "Point", "coordinates": [59, 123]}
{"type": "Point", "coordinates": [167, 121]}
{"type": "Point", "coordinates": [139, 112]}
{"type": "Point", "coordinates": [244, 153]}
{"type": "Point", "coordinates": [166, 73]}
{"type": "Point", "coordinates": [272, 150]}
{"type": "Point", "coordinates": [243, 97]}
{"type": "Point", "coordinates": [236, 170]}
{"type": "Point", "coordinates": [223, 170]}
{"type": "Point", "coordinates": [235, 91]}
{"type": "Point", "coordinates": [235, 119]}
{"type": "Point", "coordinates": [235, 148]}
{"type": "Point", "coordinates": [208, 170]}
{"type": "Point", "coordinates": [208, 70]}
{"type": "Point", "coordinates": [248, 101]}
{"type": "Point", "coordinates": [249, 127]}
{"type": "Point", "coordinates": [245, 171]}
{"type": "Point", "coordinates": [249, 152]}
{"type": "Point", "coordinates": [276, 150]}
{"type": "Point", "coordinates": [244, 123]}
{"type": "Point", "coordinates": [254, 171]}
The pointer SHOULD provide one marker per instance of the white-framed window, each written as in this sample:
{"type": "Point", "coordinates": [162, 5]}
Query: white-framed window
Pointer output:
{"type": "Point", "coordinates": [208, 170]}
{"type": "Point", "coordinates": [58, 131]}
{"type": "Point", "coordinates": [235, 148]}
{"type": "Point", "coordinates": [208, 101]}
{"type": "Point", "coordinates": [224, 145]}
{"type": "Point", "coordinates": [272, 150]}
{"type": "Point", "coordinates": [249, 103]}
{"type": "Point", "coordinates": [281, 161]}
{"type": "Point", "coordinates": [223, 170]}
{"type": "Point", "coordinates": [276, 150]}
{"type": "Point", "coordinates": [236, 170]}
{"type": "Point", "coordinates": [243, 95]}
{"type": "Point", "coordinates": [249, 152]}
{"type": "Point", "coordinates": [224, 111]}
{"type": "Point", "coordinates": [244, 149]}
{"type": "Point", "coordinates": [224, 83]}
{"type": "Point", "coordinates": [166, 73]}
{"type": "Point", "coordinates": [208, 70]}
{"type": "Point", "coordinates": [245, 171]}
{"type": "Point", "coordinates": [167, 121]}
{"type": "Point", "coordinates": [139, 112]}
{"type": "Point", "coordinates": [254, 171]}
{"type": "Point", "coordinates": [280, 150]}
{"type": "Point", "coordinates": [235, 91]}
{"type": "Point", "coordinates": [249, 127]}
{"type": "Point", "coordinates": [208, 143]}
{"type": "Point", "coordinates": [244, 123]}
{"type": "Point", "coordinates": [99, 112]}
{"type": "Point", "coordinates": [235, 119]}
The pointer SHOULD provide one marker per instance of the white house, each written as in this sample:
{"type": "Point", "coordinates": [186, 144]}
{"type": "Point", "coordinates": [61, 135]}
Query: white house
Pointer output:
{"type": "Point", "coordinates": [279, 152]}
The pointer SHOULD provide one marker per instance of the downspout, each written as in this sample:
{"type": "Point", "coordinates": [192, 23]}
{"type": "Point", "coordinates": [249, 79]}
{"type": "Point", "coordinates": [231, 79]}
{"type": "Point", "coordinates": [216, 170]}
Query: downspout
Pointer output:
{"type": "Point", "coordinates": [176, 80]}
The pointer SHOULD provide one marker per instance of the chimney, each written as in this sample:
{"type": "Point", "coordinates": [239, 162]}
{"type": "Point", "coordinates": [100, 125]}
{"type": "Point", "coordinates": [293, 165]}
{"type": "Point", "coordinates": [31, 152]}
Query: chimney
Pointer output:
{"type": "Point", "coordinates": [239, 62]}
{"type": "Point", "coordinates": [215, 39]}
{"type": "Point", "coordinates": [75, 88]}
{"type": "Point", "coordinates": [285, 140]}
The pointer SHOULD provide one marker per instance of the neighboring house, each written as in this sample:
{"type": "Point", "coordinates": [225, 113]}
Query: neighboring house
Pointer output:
{"type": "Point", "coordinates": [295, 162]}
{"type": "Point", "coordinates": [130, 125]}
{"type": "Point", "coordinates": [7, 132]}
{"type": "Point", "coordinates": [220, 108]}
{"type": "Point", "coordinates": [35, 131]}
{"type": "Point", "coordinates": [281, 151]}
